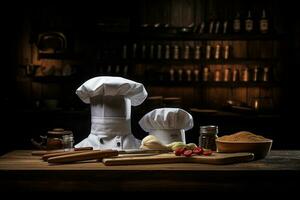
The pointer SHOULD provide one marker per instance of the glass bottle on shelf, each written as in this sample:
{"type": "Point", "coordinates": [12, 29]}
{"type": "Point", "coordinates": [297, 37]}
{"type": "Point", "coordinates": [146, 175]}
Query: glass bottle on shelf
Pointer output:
{"type": "Point", "coordinates": [176, 52]}
{"type": "Point", "coordinates": [180, 73]}
{"type": "Point", "coordinates": [167, 54]}
{"type": "Point", "coordinates": [208, 51]}
{"type": "Point", "coordinates": [196, 74]}
{"type": "Point", "coordinates": [172, 72]}
{"type": "Point", "coordinates": [206, 74]}
{"type": "Point", "coordinates": [143, 51]}
{"type": "Point", "coordinates": [245, 75]}
{"type": "Point", "coordinates": [159, 47]}
{"type": "Point", "coordinates": [217, 27]}
{"type": "Point", "coordinates": [151, 54]}
{"type": "Point", "coordinates": [189, 75]}
{"type": "Point", "coordinates": [237, 23]}
{"type": "Point", "coordinates": [226, 77]}
{"type": "Point", "coordinates": [264, 23]}
{"type": "Point", "coordinates": [117, 70]}
{"type": "Point", "coordinates": [108, 70]}
{"type": "Point", "coordinates": [249, 23]}
{"type": "Point", "coordinates": [134, 48]}
{"type": "Point", "coordinates": [186, 52]}
{"type": "Point", "coordinates": [235, 75]}
{"type": "Point", "coordinates": [226, 52]}
{"type": "Point", "coordinates": [211, 26]}
{"type": "Point", "coordinates": [197, 52]}
{"type": "Point", "coordinates": [265, 77]}
{"type": "Point", "coordinates": [225, 25]}
{"type": "Point", "coordinates": [125, 71]}
{"type": "Point", "coordinates": [217, 77]}
{"type": "Point", "coordinates": [255, 74]}
{"type": "Point", "coordinates": [217, 51]}
{"type": "Point", "coordinates": [202, 26]}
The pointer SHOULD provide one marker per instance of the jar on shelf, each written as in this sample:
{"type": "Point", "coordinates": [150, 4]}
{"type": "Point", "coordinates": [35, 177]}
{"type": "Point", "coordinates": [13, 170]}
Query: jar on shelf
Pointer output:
{"type": "Point", "coordinates": [208, 136]}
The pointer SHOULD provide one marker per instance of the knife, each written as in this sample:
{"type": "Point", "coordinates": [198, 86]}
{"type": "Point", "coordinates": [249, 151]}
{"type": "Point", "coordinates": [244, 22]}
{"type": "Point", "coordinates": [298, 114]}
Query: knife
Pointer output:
{"type": "Point", "coordinates": [99, 154]}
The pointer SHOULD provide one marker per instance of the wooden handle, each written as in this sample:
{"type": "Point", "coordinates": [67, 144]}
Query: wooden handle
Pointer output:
{"type": "Point", "coordinates": [81, 156]}
{"type": "Point", "coordinates": [45, 157]}
{"type": "Point", "coordinates": [43, 152]}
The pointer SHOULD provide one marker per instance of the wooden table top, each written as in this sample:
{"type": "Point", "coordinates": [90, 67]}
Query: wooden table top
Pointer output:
{"type": "Point", "coordinates": [19, 169]}
{"type": "Point", "coordinates": [276, 160]}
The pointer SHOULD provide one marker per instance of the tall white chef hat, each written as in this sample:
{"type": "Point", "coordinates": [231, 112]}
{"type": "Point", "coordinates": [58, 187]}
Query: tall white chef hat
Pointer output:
{"type": "Point", "coordinates": [111, 99]}
{"type": "Point", "coordinates": [167, 124]}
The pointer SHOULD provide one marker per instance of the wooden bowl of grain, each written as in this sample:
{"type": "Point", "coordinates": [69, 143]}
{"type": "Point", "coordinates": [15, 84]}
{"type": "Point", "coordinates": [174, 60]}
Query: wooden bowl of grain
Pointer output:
{"type": "Point", "coordinates": [244, 142]}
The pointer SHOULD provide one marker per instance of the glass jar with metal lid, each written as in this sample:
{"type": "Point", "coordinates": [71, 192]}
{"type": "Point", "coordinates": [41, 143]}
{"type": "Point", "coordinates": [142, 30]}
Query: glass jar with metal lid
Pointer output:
{"type": "Point", "coordinates": [208, 135]}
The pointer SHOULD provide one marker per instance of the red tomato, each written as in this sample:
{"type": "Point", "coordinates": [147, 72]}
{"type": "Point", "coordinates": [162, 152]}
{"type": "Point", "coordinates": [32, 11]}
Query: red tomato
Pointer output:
{"type": "Point", "coordinates": [188, 153]}
{"type": "Point", "coordinates": [179, 152]}
{"type": "Point", "coordinates": [198, 150]}
{"type": "Point", "coordinates": [207, 152]}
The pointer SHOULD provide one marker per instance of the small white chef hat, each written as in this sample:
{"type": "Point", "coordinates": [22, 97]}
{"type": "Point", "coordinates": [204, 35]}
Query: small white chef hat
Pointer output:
{"type": "Point", "coordinates": [167, 124]}
{"type": "Point", "coordinates": [111, 99]}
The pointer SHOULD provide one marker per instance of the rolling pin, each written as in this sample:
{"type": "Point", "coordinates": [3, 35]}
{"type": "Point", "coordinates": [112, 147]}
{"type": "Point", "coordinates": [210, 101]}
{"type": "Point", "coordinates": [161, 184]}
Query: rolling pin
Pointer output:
{"type": "Point", "coordinates": [43, 152]}
{"type": "Point", "coordinates": [98, 154]}
{"type": "Point", "coordinates": [46, 156]}
{"type": "Point", "coordinates": [81, 156]}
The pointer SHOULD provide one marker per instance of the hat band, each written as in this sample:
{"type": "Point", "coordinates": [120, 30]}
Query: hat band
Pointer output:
{"type": "Point", "coordinates": [167, 136]}
{"type": "Point", "coordinates": [110, 126]}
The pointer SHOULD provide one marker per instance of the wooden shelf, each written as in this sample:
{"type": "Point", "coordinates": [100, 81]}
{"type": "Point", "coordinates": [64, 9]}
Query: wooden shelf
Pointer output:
{"type": "Point", "coordinates": [208, 61]}
{"type": "Point", "coordinates": [234, 112]}
{"type": "Point", "coordinates": [211, 84]}
{"type": "Point", "coordinates": [195, 36]}
{"type": "Point", "coordinates": [239, 84]}
{"type": "Point", "coordinates": [152, 35]}
{"type": "Point", "coordinates": [246, 61]}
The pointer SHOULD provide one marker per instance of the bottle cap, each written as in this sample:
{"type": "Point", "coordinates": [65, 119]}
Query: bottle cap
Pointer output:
{"type": "Point", "coordinates": [210, 129]}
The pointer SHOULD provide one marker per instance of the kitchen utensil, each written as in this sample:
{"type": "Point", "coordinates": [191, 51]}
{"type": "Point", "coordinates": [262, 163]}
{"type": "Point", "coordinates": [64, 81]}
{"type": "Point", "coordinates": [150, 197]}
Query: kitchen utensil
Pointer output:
{"type": "Point", "coordinates": [99, 154]}
{"type": "Point", "coordinates": [43, 152]}
{"type": "Point", "coordinates": [82, 156]}
{"type": "Point", "coordinates": [45, 157]}
{"type": "Point", "coordinates": [215, 158]}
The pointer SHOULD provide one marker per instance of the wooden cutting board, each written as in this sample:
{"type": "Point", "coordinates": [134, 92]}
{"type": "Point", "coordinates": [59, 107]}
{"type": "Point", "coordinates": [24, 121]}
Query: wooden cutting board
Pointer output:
{"type": "Point", "coordinates": [215, 158]}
